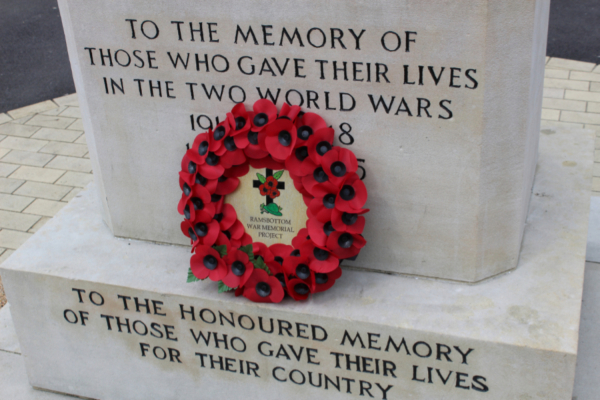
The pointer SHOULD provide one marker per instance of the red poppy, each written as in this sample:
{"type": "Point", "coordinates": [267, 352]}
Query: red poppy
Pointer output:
{"type": "Point", "coordinates": [239, 268]}
{"type": "Point", "coordinates": [322, 282]}
{"type": "Point", "coordinates": [345, 244]}
{"type": "Point", "coordinates": [352, 222]}
{"type": "Point", "coordinates": [217, 139]}
{"type": "Point", "coordinates": [307, 125]}
{"type": "Point", "coordinates": [207, 263]}
{"type": "Point", "coordinates": [319, 144]}
{"type": "Point", "coordinates": [352, 195]}
{"type": "Point", "coordinates": [238, 170]}
{"type": "Point", "coordinates": [300, 238]}
{"type": "Point", "coordinates": [274, 193]}
{"type": "Point", "coordinates": [251, 145]}
{"type": "Point", "coordinates": [289, 112]}
{"type": "Point", "coordinates": [264, 191]}
{"type": "Point", "coordinates": [232, 155]}
{"type": "Point", "coordinates": [262, 288]}
{"type": "Point", "coordinates": [261, 250]}
{"type": "Point", "coordinates": [322, 260]}
{"type": "Point", "coordinates": [265, 112]}
{"type": "Point", "coordinates": [199, 149]}
{"type": "Point", "coordinates": [279, 139]}
{"type": "Point", "coordinates": [270, 182]}
{"type": "Point", "coordinates": [239, 120]}
{"type": "Point", "coordinates": [298, 267]}
{"type": "Point", "coordinates": [338, 164]}
{"type": "Point", "coordinates": [201, 233]}
{"type": "Point", "coordinates": [298, 289]}
{"type": "Point", "coordinates": [197, 205]}
{"type": "Point", "coordinates": [226, 185]}
{"type": "Point", "coordinates": [243, 241]}
{"type": "Point", "coordinates": [324, 202]}
{"type": "Point", "coordinates": [319, 231]}
{"type": "Point", "coordinates": [280, 252]}
{"type": "Point", "coordinates": [226, 216]}
{"type": "Point", "coordinates": [299, 163]}
{"type": "Point", "coordinates": [266, 162]}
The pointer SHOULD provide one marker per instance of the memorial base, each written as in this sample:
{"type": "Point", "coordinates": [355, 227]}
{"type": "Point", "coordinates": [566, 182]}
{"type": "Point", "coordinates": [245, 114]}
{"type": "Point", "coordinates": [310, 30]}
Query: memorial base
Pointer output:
{"type": "Point", "coordinates": [106, 318]}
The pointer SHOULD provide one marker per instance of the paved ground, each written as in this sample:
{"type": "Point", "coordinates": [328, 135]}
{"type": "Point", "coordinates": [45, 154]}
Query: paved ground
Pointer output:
{"type": "Point", "coordinates": [34, 65]}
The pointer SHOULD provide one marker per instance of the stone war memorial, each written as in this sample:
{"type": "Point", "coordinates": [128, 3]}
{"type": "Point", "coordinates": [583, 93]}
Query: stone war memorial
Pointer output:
{"type": "Point", "coordinates": [237, 147]}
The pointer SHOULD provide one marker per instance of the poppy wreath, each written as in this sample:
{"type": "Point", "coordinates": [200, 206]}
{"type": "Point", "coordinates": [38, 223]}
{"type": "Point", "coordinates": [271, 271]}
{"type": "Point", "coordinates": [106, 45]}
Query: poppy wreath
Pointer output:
{"type": "Point", "coordinates": [324, 174]}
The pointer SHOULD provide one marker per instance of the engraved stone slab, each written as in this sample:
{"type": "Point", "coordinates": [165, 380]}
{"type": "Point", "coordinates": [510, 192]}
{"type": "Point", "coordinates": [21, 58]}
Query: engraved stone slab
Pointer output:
{"type": "Point", "coordinates": [440, 100]}
{"type": "Point", "coordinates": [115, 319]}
{"type": "Point", "coordinates": [275, 217]}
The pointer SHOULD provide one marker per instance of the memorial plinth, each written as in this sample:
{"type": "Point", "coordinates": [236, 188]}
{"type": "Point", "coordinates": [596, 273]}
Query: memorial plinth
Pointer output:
{"type": "Point", "coordinates": [440, 100]}
{"type": "Point", "coordinates": [108, 318]}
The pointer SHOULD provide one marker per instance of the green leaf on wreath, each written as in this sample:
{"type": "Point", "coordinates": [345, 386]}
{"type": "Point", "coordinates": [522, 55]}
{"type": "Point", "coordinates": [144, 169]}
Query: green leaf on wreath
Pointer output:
{"type": "Point", "coordinates": [260, 263]}
{"type": "Point", "coordinates": [261, 178]}
{"type": "Point", "coordinates": [224, 288]}
{"type": "Point", "coordinates": [191, 276]}
{"type": "Point", "coordinates": [248, 250]}
{"type": "Point", "coordinates": [278, 174]}
{"type": "Point", "coordinates": [222, 250]}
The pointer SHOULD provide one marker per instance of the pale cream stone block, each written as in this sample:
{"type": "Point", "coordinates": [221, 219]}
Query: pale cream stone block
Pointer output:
{"type": "Point", "coordinates": [522, 326]}
{"type": "Point", "coordinates": [596, 184]}
{"type": "Point", "coordinates": [585, 96]}
{"type": "Point", "coordinates": [14, 129]}
{"type": "Point", "coordinates": [68, 100]}
{"type": "Point", "coordinates": [50, 121]}
{"type": "Point", "coordinates": [11, 202]}
{"type": "Point", "coordinates": [8, 337]}
{"type": "Point", "coordinates": [442, 195]}
{"type": "Point", "coordinates": [71, 164]}
{"type": "Point", "coordinates": [32, 109]}
{"type": "Point", "coordinates": [593, 107]}
{"type": "Point", "coordinates": [77, 125]}
{"type": "Point", "coordinates": [5, 255]}
{"type": "Point", "coordinates": [547, 59]}
{"type": "Point", "coordinates": [596, 156]}
{"type": "Point", "coordinates": [584, 76]}
{"type": "Point", "coordinates": [8, 185]}
{"type": "Point", "coordinates": [561, 104]}
{"type": "Point", "coordinates": [595, 87]}
{"type": "Point", "coordinates": [56, 111]}
{"type": "Point", "coordinates": [556, 73]}
{"type": "Point", "coordinates": [46, 175]}
{"type": "Point", "coordinates": [597, 69]}
{"type": "Point", "coordinates": [72, 112]}
{"type": "Point", "coordinates": [13, 239]}
{"type": "Point", "coordinates": [566, 84]}
{"type": "Point", "coordinates": [557, 124]}
{"type": "Point", "coordinates": [71, 195]}
{"type": "Point", "coordinates": [597, 170]}
{"type": "Point", "coordinates": [77, 179]}
{"type": "Point", "coordinates": [4, 118]}
{"type": "Point", "coordinates": [39, 224]}
{"type": "Point", "coordinates": [7, 169]}
{"type": "Point", "coordinates": [17, 143]}
{"type": "Point", "coordinates": [61, 135]}
{"type": "Point", "coordinates": [81, 140]}
{"type": "Point", "coordinates": [551, 115]}
{"type": "Point", "coordinates": [595, 127]}
{"type": "Point", "coordinates": [87, 155]}
{"type": "Point", "coordinates": [28, 158]}
{"type": "Point", "coordinates": [17, 221]}
{"type": "Point", "coordinates": [44, 190]}
{"type": "Point", "coordinates": [46, 208]}
{"type": "Point", "coordinates": [3, 152]}
{"type": "Point", "coordinates": [65, 149]}
{"type": "Point", "coordinates": [580, 117]}
{"type": "Point", "coordinates": [571, 64]}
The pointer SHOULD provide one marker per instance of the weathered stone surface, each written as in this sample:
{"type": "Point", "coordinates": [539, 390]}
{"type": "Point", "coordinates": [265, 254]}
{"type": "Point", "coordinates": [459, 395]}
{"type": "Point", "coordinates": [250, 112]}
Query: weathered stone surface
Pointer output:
{"type": "Point", "coordinates": [446, 120]}
{"type": "Point", "coordinates": [522, 326]}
